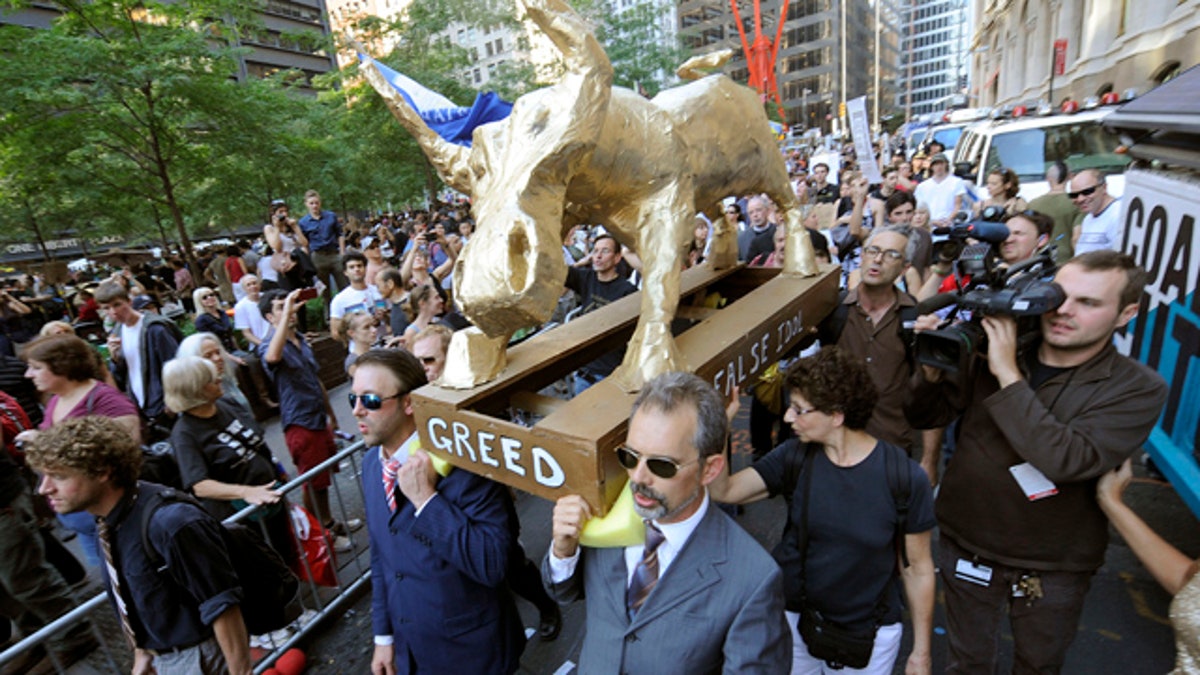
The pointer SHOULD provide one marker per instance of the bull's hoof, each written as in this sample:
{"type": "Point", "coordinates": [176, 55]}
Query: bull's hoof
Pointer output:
{"type": "Point", "coordinates": [473, 359]}
{"type": "Point", "coordinates": [651, 352]}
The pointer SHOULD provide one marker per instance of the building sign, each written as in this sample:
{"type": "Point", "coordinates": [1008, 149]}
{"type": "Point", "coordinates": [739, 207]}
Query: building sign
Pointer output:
{"type": "Point", "coordinates": [1060, 56]}
{"type": "Point", "coordinates": [60, 247]}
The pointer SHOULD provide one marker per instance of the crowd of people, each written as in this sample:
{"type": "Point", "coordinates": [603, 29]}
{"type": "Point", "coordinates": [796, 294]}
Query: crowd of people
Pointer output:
{"type": "Point", "coordinates": [851, 434]}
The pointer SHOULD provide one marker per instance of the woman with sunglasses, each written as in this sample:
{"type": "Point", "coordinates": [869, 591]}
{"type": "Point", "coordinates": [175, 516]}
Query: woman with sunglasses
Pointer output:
{"type": "Point", "coordinates": [839, 547]}
{"type": "Point", "coordinates": [733, 217]}
{"type": "Point", "coordinates": [210, 318]}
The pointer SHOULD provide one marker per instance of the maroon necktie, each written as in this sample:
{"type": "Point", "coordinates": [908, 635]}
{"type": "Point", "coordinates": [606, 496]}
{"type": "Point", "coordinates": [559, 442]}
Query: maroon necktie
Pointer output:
{"type": "Point", "coordinates": [645, 575]}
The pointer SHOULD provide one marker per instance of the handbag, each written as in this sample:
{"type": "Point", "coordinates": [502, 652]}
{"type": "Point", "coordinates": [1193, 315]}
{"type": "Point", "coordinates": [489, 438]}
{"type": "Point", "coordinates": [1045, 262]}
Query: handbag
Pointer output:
{"type": "Point", "coordinates": [316, 563]}
{"type": "Point", "coordinates": [834, 644]}
{"type": "Point", "coordinates": [827, 640]}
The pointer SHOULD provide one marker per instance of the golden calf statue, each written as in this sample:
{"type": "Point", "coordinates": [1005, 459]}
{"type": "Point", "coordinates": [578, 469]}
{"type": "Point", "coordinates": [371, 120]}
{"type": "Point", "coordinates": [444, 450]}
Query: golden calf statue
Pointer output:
{"type": "Point", "coordinates": [582, 151]}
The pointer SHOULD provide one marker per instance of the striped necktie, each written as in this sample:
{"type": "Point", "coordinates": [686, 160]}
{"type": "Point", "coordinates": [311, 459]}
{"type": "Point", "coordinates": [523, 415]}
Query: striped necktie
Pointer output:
{"type": "Point", "coordinates": [390, 468]}
{"type": "Point", "coordinates": [103, 532]}
{"type": "Point", "coordinates": [645, 575]}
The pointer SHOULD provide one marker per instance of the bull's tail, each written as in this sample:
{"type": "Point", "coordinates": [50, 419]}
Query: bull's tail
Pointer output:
{"type": "Point", "coordinates": [691, 69]}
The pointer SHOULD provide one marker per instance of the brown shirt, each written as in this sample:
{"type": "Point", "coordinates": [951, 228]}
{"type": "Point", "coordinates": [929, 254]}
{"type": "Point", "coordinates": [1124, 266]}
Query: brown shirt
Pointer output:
{"type": "Point", "coordinates": [881, 346]}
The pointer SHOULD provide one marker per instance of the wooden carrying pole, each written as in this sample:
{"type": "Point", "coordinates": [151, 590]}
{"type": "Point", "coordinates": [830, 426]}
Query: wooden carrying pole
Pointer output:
{"type": "Point", "coordinates": [570, 449]}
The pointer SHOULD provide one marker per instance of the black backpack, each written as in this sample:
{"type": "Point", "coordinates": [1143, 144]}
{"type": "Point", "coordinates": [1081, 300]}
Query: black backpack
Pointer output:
{"type": "Point", "coordinates": [269, 588]}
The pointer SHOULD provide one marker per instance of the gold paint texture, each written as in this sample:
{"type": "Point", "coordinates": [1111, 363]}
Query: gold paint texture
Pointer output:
{"type": "Point", "coordinates": [581, 151]}
{"type": "Point", "coordinates": [472, 359]}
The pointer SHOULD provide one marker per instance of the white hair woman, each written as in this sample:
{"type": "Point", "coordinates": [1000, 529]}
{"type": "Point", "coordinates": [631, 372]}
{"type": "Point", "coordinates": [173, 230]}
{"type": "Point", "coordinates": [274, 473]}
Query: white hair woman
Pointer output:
{"type": "Point", "coordinates": [208, 346]}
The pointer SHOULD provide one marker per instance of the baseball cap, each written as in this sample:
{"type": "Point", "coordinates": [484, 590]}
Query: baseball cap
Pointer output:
{"type": "Point", "coordinates": [275, 203]}
{"type": "Point", "coordinates": [940, 157]}
{"type": "Point", "coordinates": [141, 302]}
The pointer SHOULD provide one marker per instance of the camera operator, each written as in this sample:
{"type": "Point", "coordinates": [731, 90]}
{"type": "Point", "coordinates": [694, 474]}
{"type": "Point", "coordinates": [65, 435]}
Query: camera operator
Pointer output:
{"type": "Point", "coordinates": [1028, 232]}
{"type": "Point", "coordinates": [1021, 532]}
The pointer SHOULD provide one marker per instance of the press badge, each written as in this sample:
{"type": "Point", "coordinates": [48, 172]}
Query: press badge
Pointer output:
{"type": "Point", "coordinates": [980, 575]}
{"type": "Point", "coordinates": [1033, 483]}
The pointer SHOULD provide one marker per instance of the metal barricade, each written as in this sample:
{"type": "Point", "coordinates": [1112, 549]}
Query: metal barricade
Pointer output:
{"type": "Point", "coordinates": [319, 603]}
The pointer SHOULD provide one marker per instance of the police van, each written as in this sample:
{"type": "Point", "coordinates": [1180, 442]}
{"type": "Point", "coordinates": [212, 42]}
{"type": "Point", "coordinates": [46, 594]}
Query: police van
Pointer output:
{"type": "Point", "coordinates": [1029, 145]}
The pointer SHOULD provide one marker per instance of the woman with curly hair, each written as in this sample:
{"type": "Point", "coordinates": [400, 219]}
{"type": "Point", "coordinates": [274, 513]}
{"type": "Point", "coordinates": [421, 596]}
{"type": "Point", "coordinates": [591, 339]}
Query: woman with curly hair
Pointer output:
{"type": "Point", "coordinates": [841, 567]}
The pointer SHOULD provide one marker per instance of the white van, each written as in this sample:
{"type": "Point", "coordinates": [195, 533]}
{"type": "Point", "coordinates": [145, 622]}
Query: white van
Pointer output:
{"type": "Point", "coordinates": [1030, 145]}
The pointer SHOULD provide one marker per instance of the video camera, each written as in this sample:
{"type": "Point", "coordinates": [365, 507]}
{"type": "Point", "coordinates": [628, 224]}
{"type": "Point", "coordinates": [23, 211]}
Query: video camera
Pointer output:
{"type": "Point", "coordinates": [985, 287]}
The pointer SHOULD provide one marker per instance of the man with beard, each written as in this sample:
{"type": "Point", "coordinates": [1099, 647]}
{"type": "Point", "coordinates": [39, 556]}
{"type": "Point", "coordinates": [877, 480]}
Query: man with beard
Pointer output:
{"type": "Point", "coordinates": [1021, 532]}
{"type": "Point", "coordinates": [700, 595]}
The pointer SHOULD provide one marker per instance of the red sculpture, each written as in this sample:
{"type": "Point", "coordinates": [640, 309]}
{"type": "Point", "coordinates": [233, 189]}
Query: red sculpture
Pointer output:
{"type": "Point", "coordinates": [761, 56]}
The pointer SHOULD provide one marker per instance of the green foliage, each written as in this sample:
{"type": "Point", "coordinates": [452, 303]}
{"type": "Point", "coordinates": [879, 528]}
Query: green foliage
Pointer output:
{"type": "Point", "coordinates": [127, 116]}
{"type": "Point", "coordinates": [636, 43]}
{"type": "Point", "coordinates": [135, 106]}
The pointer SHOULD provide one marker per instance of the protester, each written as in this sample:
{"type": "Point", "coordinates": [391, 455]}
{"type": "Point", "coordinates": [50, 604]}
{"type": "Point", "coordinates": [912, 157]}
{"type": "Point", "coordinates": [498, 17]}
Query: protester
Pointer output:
{"type": "Point", "coordinates": [841, 565]}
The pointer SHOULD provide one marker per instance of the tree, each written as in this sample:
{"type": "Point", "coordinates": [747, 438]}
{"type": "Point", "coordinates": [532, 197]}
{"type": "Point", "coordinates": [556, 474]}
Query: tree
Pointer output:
{"type": "Point", "coordinates": [136, 101]}
{"type": "Point", "coordinates": [644, 56]}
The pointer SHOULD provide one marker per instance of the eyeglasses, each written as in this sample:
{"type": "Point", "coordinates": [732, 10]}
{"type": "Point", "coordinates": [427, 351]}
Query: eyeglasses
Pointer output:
{"type": "Point", "coordinates": [659, 466]}
{"type": "Point", "coordinates": [1085, 192]}
{"type": "Point", "coordinates": [370, 401]}
{"type": "Point", "coordinates": [800, 412]}
{"type": "Point", "coordinates": [889, 253]}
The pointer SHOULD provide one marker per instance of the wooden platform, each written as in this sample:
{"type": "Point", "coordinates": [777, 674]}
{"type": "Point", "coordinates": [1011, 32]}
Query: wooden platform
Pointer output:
{"type": "Point", "coordinates": [570, 450]}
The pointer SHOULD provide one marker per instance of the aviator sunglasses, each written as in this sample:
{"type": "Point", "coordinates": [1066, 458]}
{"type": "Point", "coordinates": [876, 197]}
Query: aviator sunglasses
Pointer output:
{"type": "Point", "coordinates": [659, 466]}
{"type": "Point", "coordinates": [370, 401]}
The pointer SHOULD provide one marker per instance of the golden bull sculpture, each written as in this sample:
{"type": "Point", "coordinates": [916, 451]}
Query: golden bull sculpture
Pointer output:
{"type": "Point", "coordinates": [582, 151]}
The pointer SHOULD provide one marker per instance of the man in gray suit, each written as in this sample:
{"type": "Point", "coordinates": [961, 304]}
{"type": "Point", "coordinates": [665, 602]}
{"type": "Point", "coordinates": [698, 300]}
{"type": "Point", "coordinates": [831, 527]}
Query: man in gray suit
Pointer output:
{"type": "Point", "coordinates": [700, 596]}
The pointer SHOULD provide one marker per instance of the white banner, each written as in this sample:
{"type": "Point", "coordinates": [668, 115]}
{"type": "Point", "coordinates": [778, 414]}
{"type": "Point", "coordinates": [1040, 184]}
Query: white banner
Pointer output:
{"type": "Point", "coordinates": [860, 131]}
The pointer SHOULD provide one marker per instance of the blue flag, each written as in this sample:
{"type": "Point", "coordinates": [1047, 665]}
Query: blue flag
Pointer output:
{"type": "Point", "coordinates": [452, 122]}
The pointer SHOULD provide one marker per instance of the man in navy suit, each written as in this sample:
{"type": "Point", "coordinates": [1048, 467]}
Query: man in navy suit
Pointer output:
{"type": "Point", "coordinates": [439, 545]}
{"type": "Point", "coordinates": [700, 596]}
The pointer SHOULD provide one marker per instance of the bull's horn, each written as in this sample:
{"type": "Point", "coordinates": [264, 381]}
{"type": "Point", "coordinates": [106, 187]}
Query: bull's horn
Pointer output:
{"type": "Point", "coordinates": [692, 68]}
{"type": "Point", "coordinates": [451, 161]}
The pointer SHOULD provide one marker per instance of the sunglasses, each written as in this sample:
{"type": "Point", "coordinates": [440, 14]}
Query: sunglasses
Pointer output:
{"type": "Point", "coordinates": [1085, 192]}
{"type": "Point", "coordinates": [428, 360]}
{"type": "Point", "coordinates": [659, 466]}
{"type": "Point", "coordinates": [369, 401]}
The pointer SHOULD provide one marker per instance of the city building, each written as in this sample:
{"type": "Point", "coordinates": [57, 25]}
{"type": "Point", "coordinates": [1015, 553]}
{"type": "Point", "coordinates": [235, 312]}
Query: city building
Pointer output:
{"type": "Point", "coordinates": [826, 55]}
{"type": "Point", "coordinates": [488, 47]}
{"type": "Point", "coordinates": [933, 65]}
{"type": "Point", "coordinates": [272, 47]}
{"type": "Point", "coordinates": [1110, 46]}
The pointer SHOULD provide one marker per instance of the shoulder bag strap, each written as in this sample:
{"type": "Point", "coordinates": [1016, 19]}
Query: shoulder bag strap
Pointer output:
{"type": "Point", "coordinates": [806, 472]}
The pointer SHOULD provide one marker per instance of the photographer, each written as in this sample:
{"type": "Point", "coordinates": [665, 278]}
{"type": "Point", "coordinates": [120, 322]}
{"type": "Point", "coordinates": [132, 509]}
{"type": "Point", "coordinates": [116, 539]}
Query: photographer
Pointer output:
{"type": "Point", "coordinates": [1021, 533]}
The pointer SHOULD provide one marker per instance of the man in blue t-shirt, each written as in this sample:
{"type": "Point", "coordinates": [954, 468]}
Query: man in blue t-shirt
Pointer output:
{"type": "Point", "coordinates": [326, 244]}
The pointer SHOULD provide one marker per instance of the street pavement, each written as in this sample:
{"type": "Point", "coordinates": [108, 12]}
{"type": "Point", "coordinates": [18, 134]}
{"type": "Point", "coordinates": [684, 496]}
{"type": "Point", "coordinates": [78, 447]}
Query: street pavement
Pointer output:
{"type": "Point", "coordinates": [1124, 628]}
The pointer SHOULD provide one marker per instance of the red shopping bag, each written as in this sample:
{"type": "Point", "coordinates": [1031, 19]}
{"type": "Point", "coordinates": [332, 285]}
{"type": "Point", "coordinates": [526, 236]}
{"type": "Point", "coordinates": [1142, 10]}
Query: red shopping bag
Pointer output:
{"type": "Point", "coordinates": [316, 562]}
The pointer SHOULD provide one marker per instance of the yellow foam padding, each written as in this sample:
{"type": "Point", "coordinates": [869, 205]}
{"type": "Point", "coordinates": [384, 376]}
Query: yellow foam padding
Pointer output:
{"type": "Point", "coordinates": [621, 527]}
{"type": "Point", "coordinates": [441, 466]}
